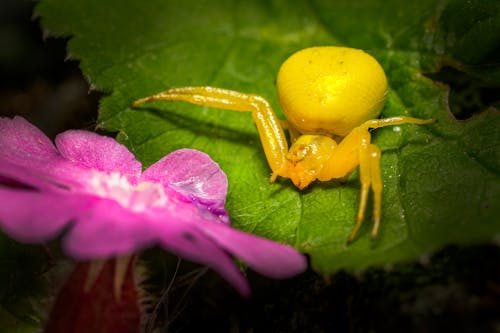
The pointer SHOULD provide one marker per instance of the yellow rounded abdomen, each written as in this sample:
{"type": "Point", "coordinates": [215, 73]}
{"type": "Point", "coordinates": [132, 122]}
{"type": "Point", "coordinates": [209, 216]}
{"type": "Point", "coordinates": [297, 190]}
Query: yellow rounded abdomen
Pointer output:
{"type": "Point", "coordinates": [330, 90]}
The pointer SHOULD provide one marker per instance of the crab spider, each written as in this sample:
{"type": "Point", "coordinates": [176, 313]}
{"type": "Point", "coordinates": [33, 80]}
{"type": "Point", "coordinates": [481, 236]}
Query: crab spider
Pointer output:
{"type": "Point", "coordinates": [331, 97]}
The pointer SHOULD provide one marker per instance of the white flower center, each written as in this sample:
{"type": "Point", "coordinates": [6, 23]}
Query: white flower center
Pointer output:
{"type": "Point", "coordinates": [137, 198]}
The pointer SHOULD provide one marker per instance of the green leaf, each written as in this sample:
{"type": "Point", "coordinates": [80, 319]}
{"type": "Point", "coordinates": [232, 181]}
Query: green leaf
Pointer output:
{"type": "Point", "coordinates": [441, 182]}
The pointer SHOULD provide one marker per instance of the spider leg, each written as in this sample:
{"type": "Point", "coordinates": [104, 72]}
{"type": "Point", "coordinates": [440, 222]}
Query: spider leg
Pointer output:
{"type": "Point", "coordinates": [365, 179]}
{"type": "Point", "coordinates": [268, 125]}
{"type": "Point", "coordinates": [391, 121]}
{"type": "Point", "coordinates": [369, 166]}
{"type": "Point", "coordinates": [370, 177]}
{"type": "Point", "coordinates": [377, 185]}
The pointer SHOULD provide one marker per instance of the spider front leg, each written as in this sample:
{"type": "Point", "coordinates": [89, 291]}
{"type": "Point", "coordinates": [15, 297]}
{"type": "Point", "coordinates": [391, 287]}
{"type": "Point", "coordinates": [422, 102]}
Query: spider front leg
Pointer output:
{"type": "Point", "coordinates": [370, 176]}
{"type": "Point", "coordinates": [358, 142]}
{"type": "Point", "coordinates": [269, 126]}
{"type": "Point", "coordinates": [353, 151]}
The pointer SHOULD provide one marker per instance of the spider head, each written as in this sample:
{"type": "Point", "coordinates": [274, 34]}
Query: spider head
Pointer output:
{"type": "Point", "coordinates": [306, 159]}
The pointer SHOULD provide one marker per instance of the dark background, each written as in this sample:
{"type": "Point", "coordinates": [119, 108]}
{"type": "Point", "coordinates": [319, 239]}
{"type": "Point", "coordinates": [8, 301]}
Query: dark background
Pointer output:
{"type": "Point", "coordinates": [36, 80]}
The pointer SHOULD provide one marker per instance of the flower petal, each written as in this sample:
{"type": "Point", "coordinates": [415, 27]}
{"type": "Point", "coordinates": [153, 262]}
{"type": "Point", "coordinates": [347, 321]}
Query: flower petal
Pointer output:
{"type": "Point", "coordinates": [15, 176]}
{"type": "Point", "coordinates": [42, 179]}
{"type": "Point", "coordinates": [40, 182]}
{"type": "Point", "coordinates": [23, 144]}
{"type": "Point", "coordinates": [106, 230]}
{"type": "Point", "coordinates": [193, 174]}
{"type": "Point", "coordinates": [109, 230]}
{"type": "Point", "coordinates": [35, 217]}
{"type": "Point", "coordinates": [94, 151]}
{"type": "Point", "coordinates": [186, 241]}
{"type": "Point", "coordinates": [19, 139]}
{"type": "Point", "coordinates": [269, 258]}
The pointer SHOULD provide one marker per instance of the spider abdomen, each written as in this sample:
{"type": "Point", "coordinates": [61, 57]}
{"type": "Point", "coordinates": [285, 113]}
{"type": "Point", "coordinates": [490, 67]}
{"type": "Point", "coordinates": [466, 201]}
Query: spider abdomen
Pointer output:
{"type": "Point", "coordinates": [330, 90]}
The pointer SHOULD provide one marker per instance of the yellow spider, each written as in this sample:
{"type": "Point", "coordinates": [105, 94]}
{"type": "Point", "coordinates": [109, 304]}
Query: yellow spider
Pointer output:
{"type": "Point", "coordinates": [331, 97]}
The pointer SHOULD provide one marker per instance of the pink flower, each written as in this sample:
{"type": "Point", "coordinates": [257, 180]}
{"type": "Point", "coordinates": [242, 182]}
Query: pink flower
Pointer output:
{"type": "Point", "coordinates": [92, 190]}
